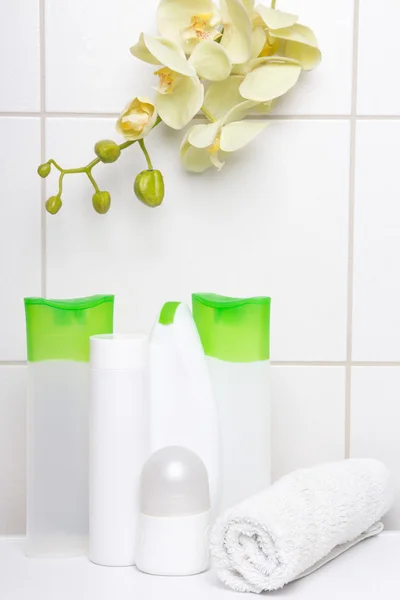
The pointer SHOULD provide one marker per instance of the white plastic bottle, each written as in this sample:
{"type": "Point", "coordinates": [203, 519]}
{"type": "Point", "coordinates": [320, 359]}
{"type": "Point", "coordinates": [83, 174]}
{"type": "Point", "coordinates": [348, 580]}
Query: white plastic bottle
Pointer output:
{"type": "Point", "coordinates": [58, 333]}
{"type": "Point", "coordinates": [118, 445]}
{"type": "Point", "coordinates": [182, 406]}
{"type": "Point", "coordinates": [235, 336]}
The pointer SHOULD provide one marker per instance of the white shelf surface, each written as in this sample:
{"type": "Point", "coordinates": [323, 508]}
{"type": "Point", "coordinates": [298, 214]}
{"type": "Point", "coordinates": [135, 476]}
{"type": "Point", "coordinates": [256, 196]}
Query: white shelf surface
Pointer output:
{"type": "Point", "coordinates": [368, 571]}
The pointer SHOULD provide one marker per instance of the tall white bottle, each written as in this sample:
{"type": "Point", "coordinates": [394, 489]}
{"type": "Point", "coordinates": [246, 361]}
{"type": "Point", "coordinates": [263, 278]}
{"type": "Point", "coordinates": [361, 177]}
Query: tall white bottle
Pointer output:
{"type": "Point", "coordinates": [182, 406]}
{"type": "Point", "coordinates": [235, 337]}
{"type": "Point", "coordinates": [118, 445]}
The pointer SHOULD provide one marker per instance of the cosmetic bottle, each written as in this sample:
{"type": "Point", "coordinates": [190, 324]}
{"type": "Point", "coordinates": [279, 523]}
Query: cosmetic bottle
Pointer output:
{"type": "Point", "coordinates": [118, 444]}
{"type": "Point", "coordinates": [174, 514]}
{"type": "Point", "coordinates": [58, 333]}
{"type": "Point", "coordinates": [235, 337]}
{"type": "Point", "coordinates": [182, 406]}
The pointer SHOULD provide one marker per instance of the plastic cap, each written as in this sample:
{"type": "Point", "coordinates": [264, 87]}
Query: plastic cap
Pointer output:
{"type": "Point", "coordinates": [167, 314]}
{"type": "Point", "coordinates": [233, 329]}
{"type": "Point", "coordinates": [174, 483]}
{"type": "Point", "coordinates": [118, 352]}
{"type": "Point", "coordinates": [60, 329]}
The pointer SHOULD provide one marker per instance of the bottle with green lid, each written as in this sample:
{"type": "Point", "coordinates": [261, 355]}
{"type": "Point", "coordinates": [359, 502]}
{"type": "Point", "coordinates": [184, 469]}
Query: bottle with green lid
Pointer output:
{"type": "Point", "coordinates": [182, 406]}
{"type": "Point", "coordinates": [235, 334]}
{"type": "Point", "coordinates": [58, 333]}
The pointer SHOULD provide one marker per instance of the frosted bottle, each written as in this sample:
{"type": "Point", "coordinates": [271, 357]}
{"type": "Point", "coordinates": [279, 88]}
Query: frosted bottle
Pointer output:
{"type": "Point", "coordinates": [182, 405]}
{"type": "Point", "coordinates": [58, 333]}
{"type": "Point", "coordinates": [118, 445]}
{"type": "Point", "coordinates": [235, 337]}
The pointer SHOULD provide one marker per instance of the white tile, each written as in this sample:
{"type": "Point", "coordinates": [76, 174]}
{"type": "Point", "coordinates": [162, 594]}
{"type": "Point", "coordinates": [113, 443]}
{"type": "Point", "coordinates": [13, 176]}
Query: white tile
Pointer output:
{"type": "Point", "coordinates": [378, 90]}
{"type": "Point", "coordinates": [20, 246]}
{"type": "Point", "coordinates": [88, 64]}
{"type": "Point", "coordinates": [12, 450]}
{"type": "Point", "coordinates": [19, 56]}
{"type": "Point", "coordinates": [308, 417]}
{"type": "Point", "coordinates": [327, 89]}
{"type": "Point", "coordinates": [376, 315]}
{"type": "Point", "coordinates": [273, 221]}
{"type": "Point", "coordinates": [375, 419]}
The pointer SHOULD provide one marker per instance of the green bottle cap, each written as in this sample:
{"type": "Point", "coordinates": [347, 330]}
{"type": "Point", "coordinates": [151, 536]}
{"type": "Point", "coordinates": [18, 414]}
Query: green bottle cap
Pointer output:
{"type": "Point", "coordinates": [233, 329]}
{"type": "Point", "coordinates": [167, 314]}
{"type": "Point", "coordinates": [60, 329]}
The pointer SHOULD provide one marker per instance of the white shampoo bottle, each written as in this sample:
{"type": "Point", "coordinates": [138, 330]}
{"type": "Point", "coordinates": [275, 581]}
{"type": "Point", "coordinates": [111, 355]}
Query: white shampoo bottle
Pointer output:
{"type": "Point", "coordinates": [118, 445]}
{"type": "Point", "coordinates": [182, 407]}
{"type": "Point", "coordinates": [235, 337]}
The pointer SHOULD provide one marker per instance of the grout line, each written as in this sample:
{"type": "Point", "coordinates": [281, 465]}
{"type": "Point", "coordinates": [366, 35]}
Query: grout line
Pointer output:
{"type": "Point", "coordinates": [361, 363]}
{"type": "Point", "coordinates": [21, 115]}
{"type": "Point", "coordinates": [350, 265]}
{"type": "Point", "coordinates": [306, 363]}
{"type": "Point", "coordinates": [83, 115]}
{"type": "Point", "coordinates": [377, 117]}
{"type": "Point", "coordinates": [112, 115]}
{"type": "Point", "coordinates": [43, 142]}
{"type": "Point", "coordinates": [333, 363]}
{"type": "Point", "coordinates": [278, 363]}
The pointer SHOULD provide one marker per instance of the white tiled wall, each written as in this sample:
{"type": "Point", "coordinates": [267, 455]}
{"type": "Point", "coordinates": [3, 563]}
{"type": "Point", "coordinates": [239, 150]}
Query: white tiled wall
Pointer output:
{"type": "Point", "coordinates": [309, 214]}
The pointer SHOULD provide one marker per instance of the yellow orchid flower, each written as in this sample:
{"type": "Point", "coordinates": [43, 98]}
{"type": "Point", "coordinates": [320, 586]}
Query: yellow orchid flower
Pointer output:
{"type": "Point", "coordinates": [137, 119]}
{"type": "Point", "coordinates": [188, 22]}
{"type": "Point", "coordinates": [236, 38]}
{"type": "Point", "coordinates": [191, 22]}
{"type": "Point", "coordinates": [269, 77]}
{"type": "Point", "coordinates": [202, 144]}
{"type": "Point", "coordinates": [223, 96]}
{"type": "Point", "coordinates": [285, 37]}
{"type": "Point", "coordinates": [281, 48]}
{"type": "Point", "coordinates": [180, 93]}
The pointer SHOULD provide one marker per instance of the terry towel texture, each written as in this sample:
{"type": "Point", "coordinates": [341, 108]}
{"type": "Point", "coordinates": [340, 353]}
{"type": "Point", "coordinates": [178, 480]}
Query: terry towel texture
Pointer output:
{"type": "Point", "coordinates": [301, 522]}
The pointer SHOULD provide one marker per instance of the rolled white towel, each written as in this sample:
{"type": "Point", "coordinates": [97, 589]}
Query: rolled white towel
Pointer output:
{"type": "Point", "coordinates": [298, 524]}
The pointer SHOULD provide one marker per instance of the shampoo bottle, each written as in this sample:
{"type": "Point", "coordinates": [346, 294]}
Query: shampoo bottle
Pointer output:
{"type": "Point", "coordinates": [117, 445]}
{"type": "Point", "coordinates": [182, 408]}
{"type": "Point", "coordinates": [58, 333]}
{"type": "Point", "coordinates": [235, 337]}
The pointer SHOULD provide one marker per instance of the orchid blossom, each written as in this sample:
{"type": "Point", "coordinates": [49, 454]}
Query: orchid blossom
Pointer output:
{"type": "Point", "coordinates": [180, 92]}
{"type": "Point", "coordinates": [202, 145]}
{"type": "Point", "coordinates": [222, 62]}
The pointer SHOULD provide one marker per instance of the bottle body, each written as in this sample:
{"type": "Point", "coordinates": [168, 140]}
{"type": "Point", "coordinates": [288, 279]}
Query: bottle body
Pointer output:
{"type": "Point", "coordinates": [242, 393]}
{"type": "Point", "coordinates": [235, 337]}
{"type": "Point", "coordinates": [58, 333]}
{"type": "Point", "coordinates": [57, 458]}
{"type": "Point", "coordinates": [183, 410]}
{"type": "Point", "coordinates": [173, 547]}
{"type": "Point", "coordinates": [118, 447]}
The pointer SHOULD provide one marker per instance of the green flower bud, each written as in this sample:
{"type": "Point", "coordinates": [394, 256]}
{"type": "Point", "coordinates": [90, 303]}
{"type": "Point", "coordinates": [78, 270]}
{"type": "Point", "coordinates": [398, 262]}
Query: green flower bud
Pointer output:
{"type": "Point", "coordinates": [107, 151]}
{"type": "Point", "coordinates": [53, 205]}
{"type": "Point", "coordinates": [101, 202]}
{"type": "Point", "coordinates": [149, 187]}
{"type": "Point", "coordinates": [44, 169]}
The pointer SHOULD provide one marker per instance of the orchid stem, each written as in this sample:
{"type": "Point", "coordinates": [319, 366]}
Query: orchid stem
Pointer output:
{"type": "Point", "coordinates": [87, 170]}
{"type": "Point", "coordinates": [146, 154]}
{"type": "Point", "coordinates": [207, 114]}
{"type": "Point", "coordinates": [126, 145]}
{"type": "Point", "coordinates": [92, 180]}
{"type": "Point", "coordinates": [60, 180]}
{"type": "Point", "coordinates": [273, 4]}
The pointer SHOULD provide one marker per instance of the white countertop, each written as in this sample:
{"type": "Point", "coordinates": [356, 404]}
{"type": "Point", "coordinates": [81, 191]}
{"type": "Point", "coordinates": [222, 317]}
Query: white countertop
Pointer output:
{"type": "Point", "coordinates": [369, 571]}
